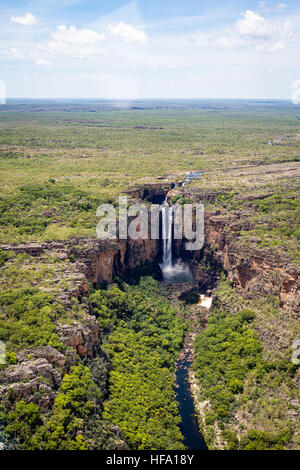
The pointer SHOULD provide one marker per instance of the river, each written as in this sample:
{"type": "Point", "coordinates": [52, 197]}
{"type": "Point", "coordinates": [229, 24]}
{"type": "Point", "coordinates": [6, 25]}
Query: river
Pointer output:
{"type": "Point", "coordinates": [193, 439]}
{"type": "Point", "coordinates": [176, 271]}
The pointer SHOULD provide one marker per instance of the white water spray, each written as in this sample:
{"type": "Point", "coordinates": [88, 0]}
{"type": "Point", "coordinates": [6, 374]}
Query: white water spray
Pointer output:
{"type": "Point", "coordinates": [167, 218]}
{"type": "Point", "coordinates": [173, 270]}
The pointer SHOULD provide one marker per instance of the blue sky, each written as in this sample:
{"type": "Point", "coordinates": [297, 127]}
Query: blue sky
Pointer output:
{"type": "Point", "coordinates": [150, 49]}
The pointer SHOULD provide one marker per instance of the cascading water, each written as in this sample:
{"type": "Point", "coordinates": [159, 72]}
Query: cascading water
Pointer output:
{"type": "Point", "coordinates": [175, 271]}
{"type": "Point", "coordinates": [167, 214]}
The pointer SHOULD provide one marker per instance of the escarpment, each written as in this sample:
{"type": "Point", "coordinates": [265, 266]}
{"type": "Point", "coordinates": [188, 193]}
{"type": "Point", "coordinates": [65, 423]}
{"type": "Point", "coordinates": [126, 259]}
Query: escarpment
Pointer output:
{"type": "Point", "coordinates": [254, 271]}
{"type": "Point", "coordinates": [251, 269]}
{"type": "Point", "coordinates": [103, 261]}
{"type": "Point", "coordinates": [152, 192]}
{"type": "Point", "coordinates": [35, 378]}
{"type": "Point", "coordinates": [37, 372]}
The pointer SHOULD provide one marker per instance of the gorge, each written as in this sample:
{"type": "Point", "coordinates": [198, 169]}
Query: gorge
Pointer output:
{"type": "Point", "coordinates": [102, 338]}
{"type": "Point", "coordinates": [95, 262]}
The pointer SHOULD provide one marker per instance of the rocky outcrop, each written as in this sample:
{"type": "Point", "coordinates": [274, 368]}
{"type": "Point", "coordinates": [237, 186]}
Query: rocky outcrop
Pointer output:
{"type": "Point", "coordinates": [39, 371]}
{"type": "Point", "coordinates": [34, 379]}
{"type": "Point", "coordinates": [103, 261]}
{"type": "Point", "coordinates": [38, 374]}
{"type": "Point", "coordinates": [289, 292]}
{"type": "Point", "coordinates": [51, 355]}
{"type": "Point", "coordinates": [34, 249]}
{"type": "Point", "coordinates": [252, 270]}
{"type": "Point", "coordinates": [82, 336]}
{"type": "Point", "coordinates": [152, 192]}
{"type": "Point", "coordinates": [97, 260]}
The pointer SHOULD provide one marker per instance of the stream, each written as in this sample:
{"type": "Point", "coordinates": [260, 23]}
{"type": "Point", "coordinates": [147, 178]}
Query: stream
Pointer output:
{"type": "Point", "coordinates": [193, 439]}
{"type": "Point", "coordinates": [176, 271]}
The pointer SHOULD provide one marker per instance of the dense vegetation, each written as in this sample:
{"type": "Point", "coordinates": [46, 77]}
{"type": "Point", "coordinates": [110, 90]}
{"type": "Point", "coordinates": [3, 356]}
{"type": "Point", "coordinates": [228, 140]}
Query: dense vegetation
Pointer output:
{"type": "Point", "coordinates": [41, 209]}
{"type": "Point", "coordinates": [232, 374]}
{"type": "Point", "coordinates": [27, 318]}
{"type": "Point", "coordinates": [143, 346]}
{"type": "Point", "coordinates": [143, 335]}
{"type": "Point", "coordinates": [277, 222]}
{"type": "Point", "coordinates": [225, 353]}
{"type": "Point", "coordinates": [74, 423]}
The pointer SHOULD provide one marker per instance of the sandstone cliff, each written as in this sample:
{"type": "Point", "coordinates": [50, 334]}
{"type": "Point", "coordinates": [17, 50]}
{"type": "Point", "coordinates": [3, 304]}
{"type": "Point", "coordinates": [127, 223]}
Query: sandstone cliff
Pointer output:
{"type": "Point", "coordinates": [252, 270]}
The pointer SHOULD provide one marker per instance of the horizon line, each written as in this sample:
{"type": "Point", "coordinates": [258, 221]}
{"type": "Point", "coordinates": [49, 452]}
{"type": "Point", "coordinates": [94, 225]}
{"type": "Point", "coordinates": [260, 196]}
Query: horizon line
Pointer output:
{"type": "Point", "coordinates": [143, 99]}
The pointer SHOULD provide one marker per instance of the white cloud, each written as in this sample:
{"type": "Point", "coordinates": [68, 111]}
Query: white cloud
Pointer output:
{"type": "Point", "coordinates": [76, 36]}
{"type": "Point", "coordinates": [12, 53]}
{"type": "Point", "coordinates": [267, 7]}
{"type": "Point", "coordinates": [280, 6]}
{"type": "Point", "coordinates": [73, 42]}
{"type": "Point", "coordinates": [296, 84]}
{"type": "Point", "coordinates": [27, 20]}
{"type": "Point", "coordinates": [222, 41]}
{"type": "Point", "coordinates": [193, 77]}
{"type": "Point", "coordinates": [213, 41]}
{"type": "Point", "coordinates": [288, 30]}
{"type": "Point", "coordinates": [254, 26]}
{"type": "Point", "coordinates": [278, 46]}
{"type": "Point", "coordinates": [75, 51]}
{"type": "Point", "coordinates": [128, 33]}
{"type": "Point", "coordinates": [43, 62]}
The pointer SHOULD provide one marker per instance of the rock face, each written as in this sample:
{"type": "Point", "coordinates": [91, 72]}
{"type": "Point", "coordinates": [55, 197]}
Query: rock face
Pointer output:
{"type": "Point", "coordinates": [83, 337]}
{"type": "Point", "coordinates": [250, 269]}
{"type": "Point", "coordinates": [35, 378]}
{"type": "Point", "coordinates": [39, 372]}
{"type": "Point", "coordinates": [152, 192]}
{"type": "Point", "coordinates": [102, 261]}
{"type": "Point", "coordinates": [253, 271]}
{"type": "Point", "coordinates": [289, 293]}
{"type": "Point", "coordinates": [98, 260]}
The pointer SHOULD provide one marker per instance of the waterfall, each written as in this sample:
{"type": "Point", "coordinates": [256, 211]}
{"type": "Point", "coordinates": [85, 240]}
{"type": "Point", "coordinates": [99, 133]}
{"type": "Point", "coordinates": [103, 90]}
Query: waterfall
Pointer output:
{"type": "Point", "coordinates": [167, 214]}
{"type": "Point", "coordinates": [174, 271]}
